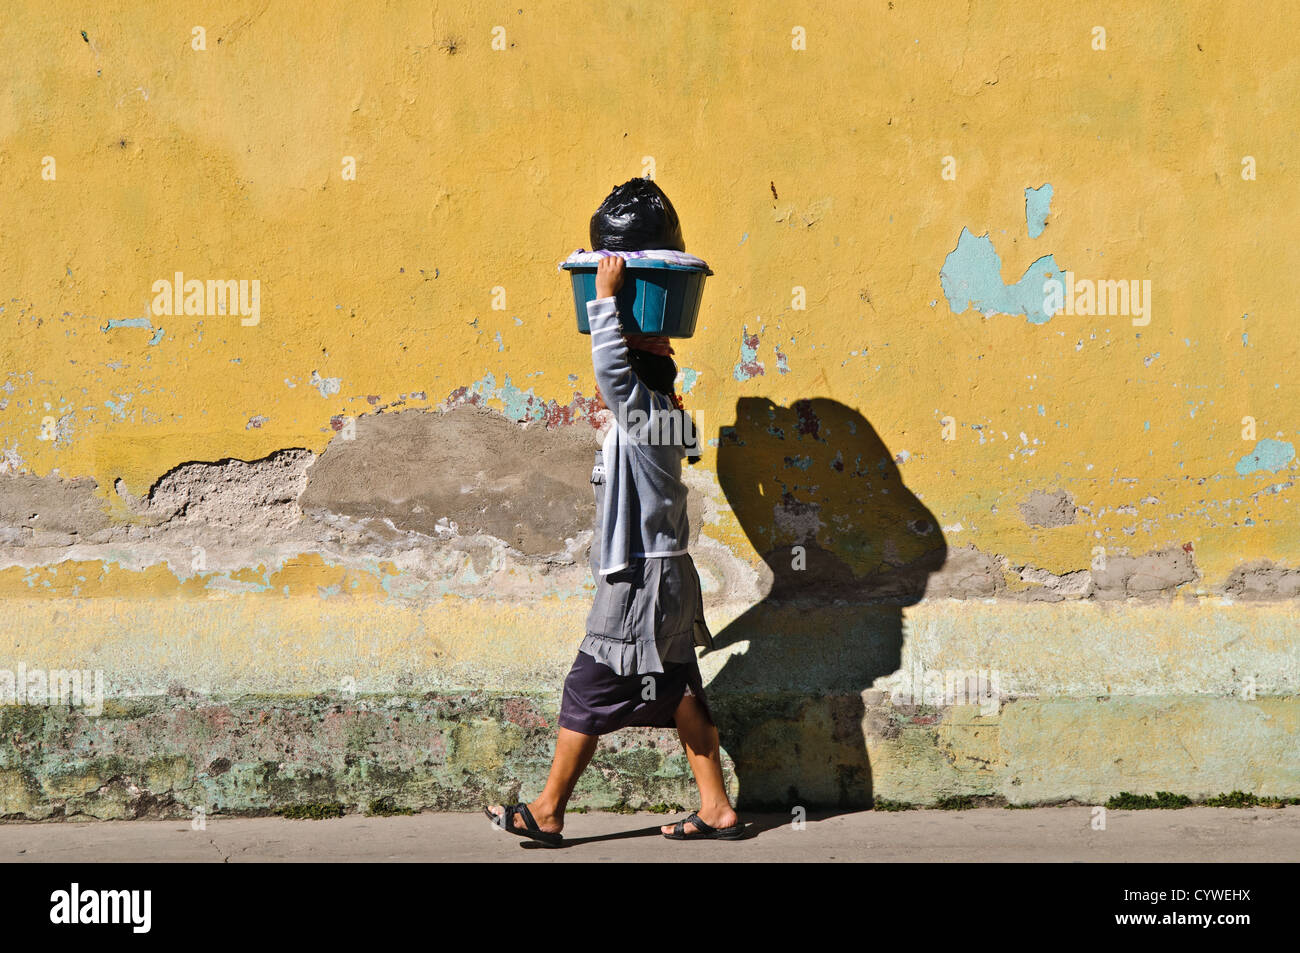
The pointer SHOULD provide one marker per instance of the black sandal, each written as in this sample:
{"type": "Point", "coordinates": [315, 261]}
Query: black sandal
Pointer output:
{"type": "Point", "coordinates": [506, 821]}
{"type": "Point", "coordinates": [704, 831]}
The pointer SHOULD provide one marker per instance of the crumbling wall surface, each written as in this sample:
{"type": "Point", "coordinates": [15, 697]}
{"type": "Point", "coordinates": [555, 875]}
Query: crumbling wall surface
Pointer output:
{"type": "Point", "coordinates": [296, 429]}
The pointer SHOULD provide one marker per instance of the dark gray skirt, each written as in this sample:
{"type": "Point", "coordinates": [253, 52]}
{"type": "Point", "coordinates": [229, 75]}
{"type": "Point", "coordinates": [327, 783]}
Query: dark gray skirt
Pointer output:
{"type": "Point", "coordinates": [597, 700]}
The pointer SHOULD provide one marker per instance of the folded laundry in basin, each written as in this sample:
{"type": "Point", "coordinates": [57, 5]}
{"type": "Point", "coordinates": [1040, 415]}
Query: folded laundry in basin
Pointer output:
{"type": "Point", "coordinates": [583, 257]}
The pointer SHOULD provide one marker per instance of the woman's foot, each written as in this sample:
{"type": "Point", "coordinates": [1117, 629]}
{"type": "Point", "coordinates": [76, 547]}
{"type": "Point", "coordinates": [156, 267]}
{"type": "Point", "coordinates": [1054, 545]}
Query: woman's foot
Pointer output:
{"type": "Point", "coordinates": [716, 817]}
{"type": "Point", "coordinates": [548, 819]}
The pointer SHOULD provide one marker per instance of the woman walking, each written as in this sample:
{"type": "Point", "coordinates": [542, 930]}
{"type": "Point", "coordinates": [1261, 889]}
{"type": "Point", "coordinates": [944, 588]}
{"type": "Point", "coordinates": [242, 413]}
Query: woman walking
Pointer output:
{"type": "Point", "coordinates": [636, 664]}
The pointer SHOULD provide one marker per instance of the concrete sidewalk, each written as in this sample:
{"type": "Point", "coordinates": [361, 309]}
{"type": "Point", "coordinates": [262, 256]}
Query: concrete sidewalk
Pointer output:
{"type": "Point", "coordinates": [983, 835]}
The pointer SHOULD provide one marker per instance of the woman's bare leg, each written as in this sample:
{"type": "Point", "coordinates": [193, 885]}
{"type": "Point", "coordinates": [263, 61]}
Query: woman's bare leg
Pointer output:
{"type": "Point", "coordinates": [573, 751]}
{"type": "Point", "coordinates": [699, 737]}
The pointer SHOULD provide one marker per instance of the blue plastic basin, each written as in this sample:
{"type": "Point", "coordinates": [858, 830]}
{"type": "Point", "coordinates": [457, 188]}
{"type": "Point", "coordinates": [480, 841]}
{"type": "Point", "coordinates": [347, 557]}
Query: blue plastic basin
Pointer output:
{"type": "Point", "coordinates": [657, 297]}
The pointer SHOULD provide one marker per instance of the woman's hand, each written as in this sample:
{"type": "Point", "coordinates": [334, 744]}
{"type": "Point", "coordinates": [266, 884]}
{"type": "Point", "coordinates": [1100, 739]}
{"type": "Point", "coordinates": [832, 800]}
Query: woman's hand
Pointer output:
{"type": "Point", "coordinates": [609, 276]}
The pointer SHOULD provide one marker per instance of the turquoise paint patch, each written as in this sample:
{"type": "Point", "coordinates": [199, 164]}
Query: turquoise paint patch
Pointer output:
{"type": "Point", "coordinates": [158, 336]}
{"type": "Point", "coordinates": [1270, 455]}
{"type": "Point", "coordinates": [1038, 205]}
{"type": "Point", "coordinates": [403, 587]}
{"type": "Point", "coordinates": [516, 404]}
{"type": "Point", "coordinates": [972, 277]}
{"type": "Point", "coordinates": [126, 323]}
{"type": "Point", "coordinates": [689, 376]}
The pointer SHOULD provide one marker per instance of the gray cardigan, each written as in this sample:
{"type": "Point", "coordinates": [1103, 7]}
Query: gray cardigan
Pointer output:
{"type": "Point", "coordinates": [644, 507]}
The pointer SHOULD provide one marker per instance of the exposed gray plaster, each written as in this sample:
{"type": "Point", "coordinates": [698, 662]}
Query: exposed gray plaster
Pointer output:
{"type": "Point", "coordinates": [1049, 509]}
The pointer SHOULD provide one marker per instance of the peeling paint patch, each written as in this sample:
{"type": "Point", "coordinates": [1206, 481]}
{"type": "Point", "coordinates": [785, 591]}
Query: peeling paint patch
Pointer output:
{"type": "Point", "coordinates": [1270, 455]}
{"type": "Point", "coordinates": [1038, 205]}
{"type": "Point", "coordinates": [37, 508]}
{"type": "Point", "coordinates": [1071, 585]}
{"type": "Point", "coordinates": [1261, 579]}
{"type": "Point", "coordinates": [460, 473]}
{"type": "Point", "coordinates": [256, 494]}
{"type": "Point", "coordinates": [809, 424]}
{"type": "Point", "coordinates": [749, 366]}
{"type": "Point", "coordinates": [126, 323]}
{"type": "Point", "coordinates": [326, 385]}
{"type": "Point", "coordinates": [1157, 573]}
{"type": "Point", "coordinates": [522, 406]}
{"type": "Point", "coordinates": [11, 460]}
{"type": "Point", "coordinates": [118, 410]}
{"type": "Point", "coordinates": [1049, 509]}
{"type": "Point", "coordinates": [966, 573]}
{"type": "Point", "coordinates": [972, 277]}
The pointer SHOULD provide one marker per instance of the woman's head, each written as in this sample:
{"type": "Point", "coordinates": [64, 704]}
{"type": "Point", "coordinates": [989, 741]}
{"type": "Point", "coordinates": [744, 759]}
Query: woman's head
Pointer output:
{"type": "Point", "coordinates": [656, 371]}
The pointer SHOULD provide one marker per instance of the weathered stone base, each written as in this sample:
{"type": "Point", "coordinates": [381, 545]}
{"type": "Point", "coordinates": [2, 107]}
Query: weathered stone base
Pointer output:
{"type": "Point", "coordinates": [168, 756]}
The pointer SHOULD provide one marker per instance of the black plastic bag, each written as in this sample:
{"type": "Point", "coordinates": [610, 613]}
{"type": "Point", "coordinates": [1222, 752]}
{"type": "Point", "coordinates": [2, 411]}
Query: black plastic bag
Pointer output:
{"type": "Point", "coordinates": [636, 216]}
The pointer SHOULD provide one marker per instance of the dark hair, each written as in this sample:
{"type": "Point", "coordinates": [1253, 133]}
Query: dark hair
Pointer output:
{"type": "Point", "coordinates": [657, 371]}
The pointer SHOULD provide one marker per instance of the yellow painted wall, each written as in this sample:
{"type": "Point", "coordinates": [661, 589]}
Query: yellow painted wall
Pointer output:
{"type": "Point", "coordinates": [818, 168]}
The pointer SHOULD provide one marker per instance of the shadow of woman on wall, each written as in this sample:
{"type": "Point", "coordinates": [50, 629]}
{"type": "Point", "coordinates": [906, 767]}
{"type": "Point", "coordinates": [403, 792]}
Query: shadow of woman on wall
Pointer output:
{"type": "Point", "coordinates": [821, 499]}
